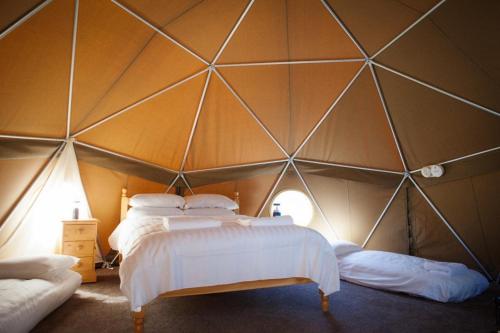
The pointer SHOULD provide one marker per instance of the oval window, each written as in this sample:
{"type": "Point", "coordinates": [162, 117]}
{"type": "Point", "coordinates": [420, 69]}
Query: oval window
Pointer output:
{"type": "Point", "coordinates": [294, 203]}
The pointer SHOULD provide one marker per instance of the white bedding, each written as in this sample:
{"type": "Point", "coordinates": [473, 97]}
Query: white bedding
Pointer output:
{"type": "Point", "coordinates": [23, 303]}
{"type": "Point", "coordinates": [408, 274]}
{"type": "Point", "coordinates": [156, 261]}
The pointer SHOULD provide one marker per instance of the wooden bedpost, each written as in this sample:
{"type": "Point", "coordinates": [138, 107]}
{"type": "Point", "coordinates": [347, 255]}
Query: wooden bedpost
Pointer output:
{"type": "Point", "coordinates": [324, 301]}
{"type": "Point", "coordinates": [138, 317]}
{"type": "Point", "coordinates": [123, 204]}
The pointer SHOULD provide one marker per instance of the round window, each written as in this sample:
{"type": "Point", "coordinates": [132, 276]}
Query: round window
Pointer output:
{"type": "Point", "coordinates": [293, 203]}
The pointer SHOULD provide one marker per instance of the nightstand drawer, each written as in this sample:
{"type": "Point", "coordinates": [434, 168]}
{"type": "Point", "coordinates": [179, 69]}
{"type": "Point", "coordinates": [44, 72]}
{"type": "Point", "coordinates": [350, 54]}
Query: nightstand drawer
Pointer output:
{"type": "Point", "coordinates": [79, 248]}
{"type": "Point", "coordinates": [85, 264]}
{"type": "Point", "coordinates": [79, 232]}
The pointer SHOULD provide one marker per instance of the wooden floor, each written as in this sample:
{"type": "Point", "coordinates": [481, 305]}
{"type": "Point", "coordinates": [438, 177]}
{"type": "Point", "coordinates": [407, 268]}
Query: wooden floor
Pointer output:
{"type": "Point", "coordinates": [100, 307]}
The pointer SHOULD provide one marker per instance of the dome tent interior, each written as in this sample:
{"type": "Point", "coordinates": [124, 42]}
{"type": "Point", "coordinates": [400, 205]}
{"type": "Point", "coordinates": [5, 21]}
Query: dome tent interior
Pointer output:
{"type": "Point", "coordinates": [345, 101]}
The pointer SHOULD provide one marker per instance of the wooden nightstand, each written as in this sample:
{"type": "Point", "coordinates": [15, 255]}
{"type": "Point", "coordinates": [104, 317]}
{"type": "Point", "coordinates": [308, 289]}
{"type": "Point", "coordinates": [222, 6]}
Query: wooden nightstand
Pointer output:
{"type": "Point", "coordinates": [78, 239]}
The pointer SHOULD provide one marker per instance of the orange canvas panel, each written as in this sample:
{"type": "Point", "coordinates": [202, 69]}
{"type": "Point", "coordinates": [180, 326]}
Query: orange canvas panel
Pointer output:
{"type": "Point", "coordinates": [34, 67]}
{"type": "Point", "coordinates": [202, 26]}
{"type": "Point", "coordinates": [15, 176]}
{"type": "Point", "coordinates": [103, 189]}
{"type": "Point", "coordinates": [374, 23]}
{"type": "Point", "coordinates": [281, 30]}
{"type": "Point", "coordinates": [347, 173]}
{"type": "Point", "coordinates": [291, 181]}
{"type": "Point", "coordinates": [11, 11]}
{"type": "Point", "coordinates": [433, 128]}
{"type": "Point", "coordinates": [356, 132]}
{"type": "Point", "coordinates": [156, 131]}
{"type": "Point", "coordinates": [251, 191]}
{"type": "Point", "coordinates": [457, 201]}
{"type": "Point", "coordinates": [459, 57]}
{"type": "Point", "coordinates": [119, 60]}
{"type": "Point", "coordinates": [201, 178]}
{"type": "Point", "coordinates": [124, 165]}
{"type": "Point", "coordinates": [431, 238]}
{"type": "Point", "coordinates": [352, 207]}
{"type": "Point", "coordinates": [486, 195]}
{"type": "Point", "coordinates": [290, 99]}
{"type": "Point", "coordinates": [392, 232]}
{"type": "Point", "coordinates": [226, 134]}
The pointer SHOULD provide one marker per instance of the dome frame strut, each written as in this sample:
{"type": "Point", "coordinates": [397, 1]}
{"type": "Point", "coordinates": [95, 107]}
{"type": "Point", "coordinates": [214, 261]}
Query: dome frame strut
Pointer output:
{"type": "Point", "coordinates": [24, 18]}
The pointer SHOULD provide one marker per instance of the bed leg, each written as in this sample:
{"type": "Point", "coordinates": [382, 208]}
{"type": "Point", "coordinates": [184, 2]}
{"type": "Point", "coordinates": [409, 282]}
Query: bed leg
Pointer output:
{"type": "Point", "coordinates": [138, 317]}
{"type": "Point", "coordinates": [324, 301]}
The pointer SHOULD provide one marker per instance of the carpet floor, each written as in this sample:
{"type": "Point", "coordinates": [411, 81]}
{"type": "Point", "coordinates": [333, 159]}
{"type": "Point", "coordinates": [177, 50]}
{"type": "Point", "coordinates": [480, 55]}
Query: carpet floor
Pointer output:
{"type": "Point", "coordinates": [100, 307]}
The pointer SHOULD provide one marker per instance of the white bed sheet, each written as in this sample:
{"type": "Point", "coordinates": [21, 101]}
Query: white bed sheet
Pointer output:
{"type": "Point", "coordinates": [403, 273]}
{"type": "Point", "coordinates": [157, 261]}
{"type": "Point", "coordinates": [23, 303]}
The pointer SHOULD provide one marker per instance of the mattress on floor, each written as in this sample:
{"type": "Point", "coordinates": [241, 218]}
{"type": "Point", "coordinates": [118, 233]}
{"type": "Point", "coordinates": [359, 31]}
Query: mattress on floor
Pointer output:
{"type": "Point", "coordinates": [24, 303]}
{"type": "Point", "coordinates": [408, 274]}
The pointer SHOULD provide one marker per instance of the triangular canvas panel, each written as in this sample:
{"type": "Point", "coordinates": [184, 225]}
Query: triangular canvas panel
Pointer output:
{"type": "Point", "coordinates": [226, 134]}
{"type": "Point", "coordinates": [352, 207]}
{"type": "Point", "coordinates": [124, 165]}
{"type": "Point", "coordinates": [120, 60]}
{"type": "Point", "coordinates": [156, 131]}
{"type": "Point", "coordinates": [15, 176]}
{"type": "Point", "coordinates": [376, 23]}
{"type": "Point", "coordinates": [291, 181]}
{"type": "Point", "coordinates": [202, 26]}
{"type": "Point", "coordinates": [432, 127]}
{"type": "Point", "coordinates": [20, 162]}
{"type": "Point", "coordinates": [340, 171]}
{"type": "Point", "coordinates": [486, 194]}
{"type": "Point", "coordinates": [392, 233]}
{"type": "Point", "coordinates": [290, 99]}
{"type": "Point", "coordinates": [431, 238]}
{"type": "Point", "coordinates": [356, 132]}
{"type": "Point", "coordinates": [460, 58]}
{"type": "Point", "coordinates": [221, 175]}
{"type": "Point", "coordinates": [35, 65]}
{"type": "Point", "coordinates": [457, 201]}
{"type": "Point", "coordinates": [283, 30]}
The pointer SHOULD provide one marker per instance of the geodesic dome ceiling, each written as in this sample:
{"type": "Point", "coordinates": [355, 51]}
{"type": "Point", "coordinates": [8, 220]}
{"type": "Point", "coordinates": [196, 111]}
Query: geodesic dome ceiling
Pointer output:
{"type": "Point", "coordinates": [198, 92]}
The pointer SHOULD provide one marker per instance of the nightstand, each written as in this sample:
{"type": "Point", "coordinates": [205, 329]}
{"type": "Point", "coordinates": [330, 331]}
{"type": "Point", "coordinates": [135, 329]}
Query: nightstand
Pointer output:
{"type": "Point", "coordinates": [78, 240]}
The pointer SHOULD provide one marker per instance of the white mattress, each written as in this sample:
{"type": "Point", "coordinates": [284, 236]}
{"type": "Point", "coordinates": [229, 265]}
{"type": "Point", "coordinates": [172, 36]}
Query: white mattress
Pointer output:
{"type": "Point", "coordinates": [23, 303]}
{"type": "Point", "coordinates": [156, 261]}
{"type": "Point", "coordinates": [403, 273]}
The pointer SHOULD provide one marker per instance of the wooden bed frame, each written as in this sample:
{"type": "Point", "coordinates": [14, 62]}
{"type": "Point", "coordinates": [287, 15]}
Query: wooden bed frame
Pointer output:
{"type": "Point", "coordinates": [138, 316]}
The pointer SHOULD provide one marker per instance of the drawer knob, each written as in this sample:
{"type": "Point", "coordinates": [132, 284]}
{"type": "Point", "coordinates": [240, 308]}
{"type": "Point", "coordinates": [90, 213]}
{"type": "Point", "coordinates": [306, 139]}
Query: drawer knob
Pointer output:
{"type": "Point", "coordinates": [80, 247]}
{"type": "Point", "coordinates": [81, 230]}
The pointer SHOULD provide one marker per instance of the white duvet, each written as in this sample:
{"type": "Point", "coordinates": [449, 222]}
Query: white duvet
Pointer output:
{"type": "Point", "coordinates": [157, 261]}
{"type": "Point", "coordinates": [412, 275]}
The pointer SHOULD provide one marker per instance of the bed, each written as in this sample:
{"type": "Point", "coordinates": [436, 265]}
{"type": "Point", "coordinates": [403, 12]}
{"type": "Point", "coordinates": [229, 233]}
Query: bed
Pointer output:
{"type": "Point", "coordinates": [158, 263]}
{"type": "Point", "coordinates": [435, 280]}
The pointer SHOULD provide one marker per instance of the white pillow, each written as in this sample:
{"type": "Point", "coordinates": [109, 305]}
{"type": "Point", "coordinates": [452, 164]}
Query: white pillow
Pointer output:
{"type": "Point", "coordinates": [157, 200]}
{"type": "Point", "coordinates": [43, 267]}
{"type": "Point", "coordinates": [343, 247]}
{"type": "Point", "coordinates": [209, 212]}
{"type": "Point", "coordinates": [136, 212]}
{"type": "Point", "coordinates": [209, 201]}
